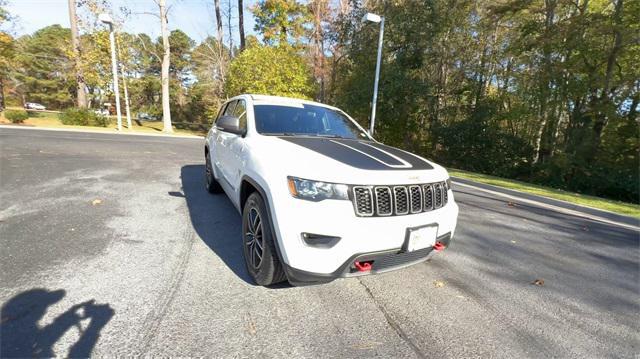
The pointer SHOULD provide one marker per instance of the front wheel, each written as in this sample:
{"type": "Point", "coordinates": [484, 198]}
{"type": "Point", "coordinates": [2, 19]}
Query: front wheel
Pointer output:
{"type": "Point", "coordinates": [258, 243]}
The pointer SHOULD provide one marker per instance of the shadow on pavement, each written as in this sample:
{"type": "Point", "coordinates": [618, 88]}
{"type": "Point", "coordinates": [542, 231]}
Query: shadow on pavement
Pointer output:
{"type": "Point", "coordinates": [215, 220]}
{"type": "Point", "coordinates": [22, 336]}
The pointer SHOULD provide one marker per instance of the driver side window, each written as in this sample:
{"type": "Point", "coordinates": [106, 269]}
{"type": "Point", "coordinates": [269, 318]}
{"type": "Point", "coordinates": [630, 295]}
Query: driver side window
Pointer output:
{"type": "Point", "coordinates": [240, 112]}
{"type": "Point", "coordinates": [230, 107]}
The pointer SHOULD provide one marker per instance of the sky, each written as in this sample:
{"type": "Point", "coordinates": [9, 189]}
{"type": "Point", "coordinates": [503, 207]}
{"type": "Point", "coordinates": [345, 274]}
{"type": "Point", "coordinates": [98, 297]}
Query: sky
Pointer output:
{"type": "Point", "coordinates": [195, 17]}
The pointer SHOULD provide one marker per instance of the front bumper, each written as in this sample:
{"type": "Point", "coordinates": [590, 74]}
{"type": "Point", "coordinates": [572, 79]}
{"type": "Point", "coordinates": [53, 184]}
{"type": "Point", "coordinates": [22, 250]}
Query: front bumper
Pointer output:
{"type": "Point", "coordinates": [382, 262]}
{"type": "Point", "coordinates": [359, 237]}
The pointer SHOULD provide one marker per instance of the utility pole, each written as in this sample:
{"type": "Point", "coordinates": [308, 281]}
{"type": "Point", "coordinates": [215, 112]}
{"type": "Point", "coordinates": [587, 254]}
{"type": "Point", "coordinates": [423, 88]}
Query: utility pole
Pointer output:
{"type": "Point", "coordinates": [124, 85]}
{"type": "Point", "coordinates": [377, 19]}
{"type": "Point", "coordinates": [105, 18]}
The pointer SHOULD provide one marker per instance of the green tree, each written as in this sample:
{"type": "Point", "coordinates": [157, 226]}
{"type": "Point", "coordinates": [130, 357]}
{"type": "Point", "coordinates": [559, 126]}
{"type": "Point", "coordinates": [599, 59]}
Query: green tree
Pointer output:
{"type": "Point", "coordinates": [271, 71]}
{"type": "Point", "coordinates": [45, 71]}
{"type": "Point", "coordinates": [7, 53]}
{"type": "Point", "coordinates": [543, 90]}
{"type": "Point", "coordinates": [280, 21]}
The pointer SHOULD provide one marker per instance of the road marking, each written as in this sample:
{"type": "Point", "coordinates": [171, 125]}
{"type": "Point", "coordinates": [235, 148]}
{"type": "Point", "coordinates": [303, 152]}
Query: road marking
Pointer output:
{"type": "Point", "coordinates": [552, 207]}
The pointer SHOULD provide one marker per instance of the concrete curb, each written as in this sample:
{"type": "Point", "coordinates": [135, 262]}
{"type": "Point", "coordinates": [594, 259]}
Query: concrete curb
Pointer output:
{"type": "Point", "coordinates": [567, 207]}
{"type": "Point", "coordinates": [114, 132]}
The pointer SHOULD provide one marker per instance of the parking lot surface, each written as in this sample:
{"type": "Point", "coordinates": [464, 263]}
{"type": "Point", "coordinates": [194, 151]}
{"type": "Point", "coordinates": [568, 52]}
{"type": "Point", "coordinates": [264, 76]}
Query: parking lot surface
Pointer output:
{"type": "Point", "coordinates": [111, 246]}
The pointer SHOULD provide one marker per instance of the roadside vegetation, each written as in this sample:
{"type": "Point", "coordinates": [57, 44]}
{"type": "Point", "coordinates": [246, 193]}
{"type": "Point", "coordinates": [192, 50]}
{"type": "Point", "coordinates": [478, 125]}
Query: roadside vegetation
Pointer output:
{"type": "Point", "coordinates": [624, 208]}
{"type": "Point", "coordinates": [16, 116]}
{"type": "Point", "coordinates": [52, 120]}
{"type": "Point", "coordinates": [544, 92]}
{"type": "Point", "coordinates": [82, 117]}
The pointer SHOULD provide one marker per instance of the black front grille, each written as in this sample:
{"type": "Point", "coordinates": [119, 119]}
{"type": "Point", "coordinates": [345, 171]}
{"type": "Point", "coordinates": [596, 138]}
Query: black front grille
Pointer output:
{"type": "Point", "coordinates": [399, 200]}
{"type": "Point", "coordinates": [428, 197]}
{"type": "Point", "coordinates": [363, 201]}
{"type": "Point", "coordinates": [383, 201]}
{"type": "Point", "coordinates": [416, 199]}
{"type": "Point", "coordinates": [437, 191]}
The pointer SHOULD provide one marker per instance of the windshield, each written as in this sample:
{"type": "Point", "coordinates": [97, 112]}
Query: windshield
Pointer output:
{"type": "Point", "coordinates": [307, 120]}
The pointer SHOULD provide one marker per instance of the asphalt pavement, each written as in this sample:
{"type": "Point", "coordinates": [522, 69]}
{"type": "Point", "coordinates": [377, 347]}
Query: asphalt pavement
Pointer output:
{"type": "Point", "coordinates": [110, 246]}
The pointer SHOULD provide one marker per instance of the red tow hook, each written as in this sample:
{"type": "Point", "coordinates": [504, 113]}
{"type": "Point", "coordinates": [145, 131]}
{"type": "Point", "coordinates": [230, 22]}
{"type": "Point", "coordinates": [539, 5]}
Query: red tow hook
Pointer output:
{"type": "Point", "coordinates": [439, 246]}
{"type": "Point", "coordinates": [363, 266]}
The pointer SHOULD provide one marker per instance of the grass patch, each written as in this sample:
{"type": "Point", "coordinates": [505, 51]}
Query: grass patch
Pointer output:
{"type": "Point", "coordinates": [628, 209]}
{"type": "Point", "coordinates": [50, 119]}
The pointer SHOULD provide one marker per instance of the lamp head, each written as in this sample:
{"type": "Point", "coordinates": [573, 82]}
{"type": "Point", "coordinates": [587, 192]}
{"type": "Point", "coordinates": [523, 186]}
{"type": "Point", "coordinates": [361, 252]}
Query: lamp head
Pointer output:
{"type": "Point", "coordinates": [105, 18]}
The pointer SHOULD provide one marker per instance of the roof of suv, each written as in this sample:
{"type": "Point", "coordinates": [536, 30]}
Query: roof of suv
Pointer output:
{"type": "Point", "coordinates": [284, 100]}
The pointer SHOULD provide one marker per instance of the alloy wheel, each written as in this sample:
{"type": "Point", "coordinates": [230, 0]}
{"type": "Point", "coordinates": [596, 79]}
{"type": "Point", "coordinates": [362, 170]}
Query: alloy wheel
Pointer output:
{"type": "Point", "coordinates": [254, 242]}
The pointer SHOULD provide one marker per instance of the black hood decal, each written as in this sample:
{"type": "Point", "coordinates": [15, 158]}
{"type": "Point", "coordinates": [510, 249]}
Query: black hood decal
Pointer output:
{"type": "Point", "coordinates": [365, 155]}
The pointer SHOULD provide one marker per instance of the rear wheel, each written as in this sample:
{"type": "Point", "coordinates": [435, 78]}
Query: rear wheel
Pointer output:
{"type": "Point", "coordinates": [211, 183]}
{"type": "Point", "coordinates": [258, 243]}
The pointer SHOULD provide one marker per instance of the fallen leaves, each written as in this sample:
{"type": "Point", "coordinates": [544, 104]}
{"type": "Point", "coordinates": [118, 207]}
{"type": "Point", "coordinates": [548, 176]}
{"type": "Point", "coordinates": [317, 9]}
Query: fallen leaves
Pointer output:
{"type": "Point", "coordinates": [96, 201]}
{"type": "Point", "coordinates": [538, 282]}
{"type": "Point", "coordinates": [511, 204]}
{"type": "Point", "coordinates": [438, 283]}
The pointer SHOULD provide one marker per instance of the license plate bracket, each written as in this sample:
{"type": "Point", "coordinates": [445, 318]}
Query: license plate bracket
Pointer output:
{"type": "Point", "coordinates": [420, 237]}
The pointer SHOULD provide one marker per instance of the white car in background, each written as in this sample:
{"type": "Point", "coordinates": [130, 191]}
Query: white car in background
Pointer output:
{"type": "Point", "coordinates": [34, 106]}
{"type": "Point", "coordinates": [320, 198]}
{"type": "Point", "coordinates": [101, 112]}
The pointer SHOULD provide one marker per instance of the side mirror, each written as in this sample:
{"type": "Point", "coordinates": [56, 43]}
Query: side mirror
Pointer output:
{"type": "Point", "coordinates": [230, 124]}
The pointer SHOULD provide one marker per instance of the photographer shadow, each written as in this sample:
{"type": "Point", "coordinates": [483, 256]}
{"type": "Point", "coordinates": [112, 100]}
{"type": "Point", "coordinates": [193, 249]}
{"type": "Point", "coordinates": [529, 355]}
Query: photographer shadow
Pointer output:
{"type": "Point", "coordinates": [21, 335]}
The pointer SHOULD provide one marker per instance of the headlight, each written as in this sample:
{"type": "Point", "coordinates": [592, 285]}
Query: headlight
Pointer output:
{"type": "Point", "coordinates": [316, 191]}
{"type": "Point", "coordinates": [448, 181]}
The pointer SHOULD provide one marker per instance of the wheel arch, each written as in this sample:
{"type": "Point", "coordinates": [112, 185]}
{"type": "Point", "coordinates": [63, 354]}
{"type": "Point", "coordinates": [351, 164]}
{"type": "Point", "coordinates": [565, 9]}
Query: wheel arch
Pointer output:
{"type": "Point", "coordinates": [248, 186]}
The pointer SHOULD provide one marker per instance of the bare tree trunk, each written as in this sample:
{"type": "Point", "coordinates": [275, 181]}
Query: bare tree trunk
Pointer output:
{"type": "Point", "coordinates": [241, 24]}
{"type": "Point", "coordinates": [229, 27]}
{"type": "Point", "coordinates": [1, 93]}
{"type": "Point", "coordinates": [166, 58]}
{"type": "Point", "coordinates": [605, 99]}
{"type": "Point", "coordinates": [220, 35]}
{"type": "Point", "coordinates": [75, 42]}
{"type": "Point", "coordinates": [544, 89]}
{"type": "Point", "coordinates": [319, 8]}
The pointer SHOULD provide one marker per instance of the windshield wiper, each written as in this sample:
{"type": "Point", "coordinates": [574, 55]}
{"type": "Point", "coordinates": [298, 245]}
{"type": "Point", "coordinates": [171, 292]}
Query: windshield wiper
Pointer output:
{"type": "Point", "coordinates": [280, 134]}
{"type": "Point", "coordinates": [329, 136]}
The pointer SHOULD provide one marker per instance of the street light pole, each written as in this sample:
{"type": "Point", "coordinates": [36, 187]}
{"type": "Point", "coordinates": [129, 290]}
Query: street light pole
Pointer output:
{"type": "Point", "coordinates": [375, 18]}
{"type": "Point", "coordinates": [124, 87]}
{"type": "Point", "coordinates": [105, 18]}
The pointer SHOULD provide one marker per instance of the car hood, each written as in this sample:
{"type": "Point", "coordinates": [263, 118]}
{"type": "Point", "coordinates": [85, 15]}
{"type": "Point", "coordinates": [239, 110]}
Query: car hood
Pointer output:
{"type": "Point", "coordinates": [347, 161]}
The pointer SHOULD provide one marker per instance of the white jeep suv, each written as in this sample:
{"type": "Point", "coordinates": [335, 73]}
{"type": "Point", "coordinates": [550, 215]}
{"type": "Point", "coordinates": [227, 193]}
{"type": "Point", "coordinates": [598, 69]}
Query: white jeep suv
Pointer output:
{"type": "Point", "coordinates": [320, 198]}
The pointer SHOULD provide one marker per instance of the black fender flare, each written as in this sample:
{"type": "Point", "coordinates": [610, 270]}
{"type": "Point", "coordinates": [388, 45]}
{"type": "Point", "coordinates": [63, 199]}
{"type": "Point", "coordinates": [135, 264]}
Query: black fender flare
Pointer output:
{"type": "Point", "coordinates": [265, 198]}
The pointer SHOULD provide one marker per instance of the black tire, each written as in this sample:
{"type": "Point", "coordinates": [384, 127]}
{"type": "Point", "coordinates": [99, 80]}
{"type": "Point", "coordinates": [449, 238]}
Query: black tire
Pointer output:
{"type": "Point", "coordinates": [211, 183]}
{"type": "Point", "coordinates": [258, 243]}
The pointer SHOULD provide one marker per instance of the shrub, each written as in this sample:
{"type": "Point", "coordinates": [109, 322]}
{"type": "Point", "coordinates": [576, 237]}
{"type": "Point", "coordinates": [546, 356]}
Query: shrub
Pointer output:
{"type": "Point", "coordinates": [16, 116]}
{"type": "Point", "coordinates": [82, 117]}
